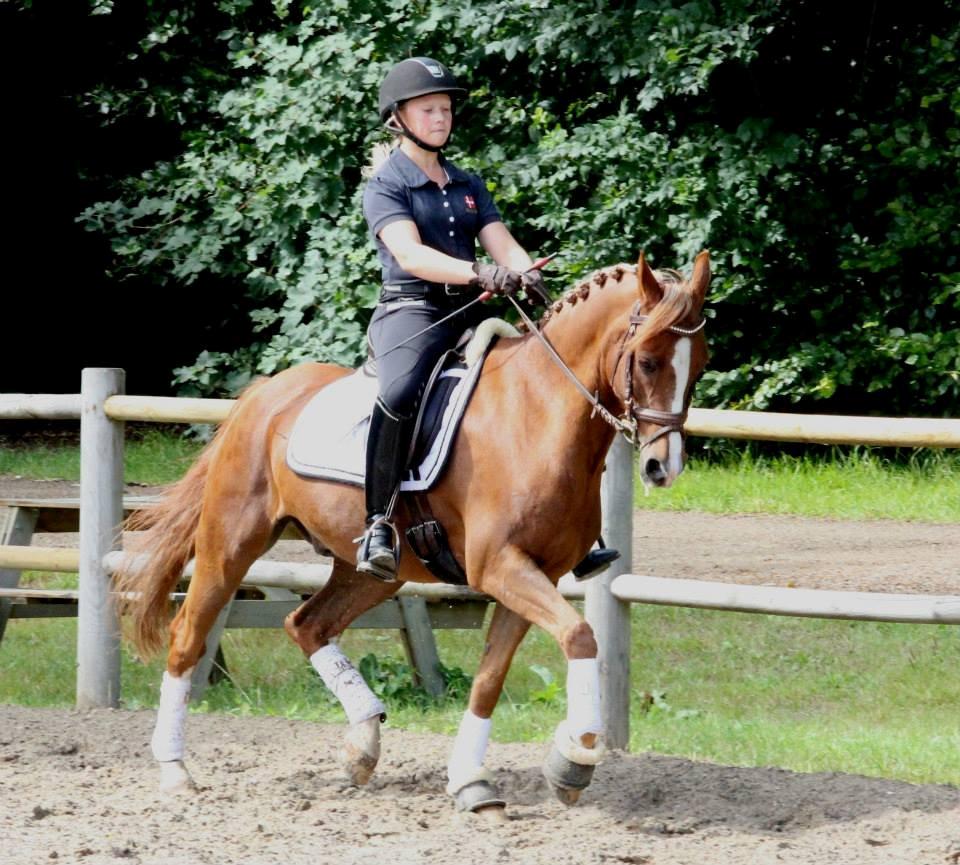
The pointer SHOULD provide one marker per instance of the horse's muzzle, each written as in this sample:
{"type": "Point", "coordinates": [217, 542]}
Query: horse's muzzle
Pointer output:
{"type": "Point", "coordinates": [655, 473]}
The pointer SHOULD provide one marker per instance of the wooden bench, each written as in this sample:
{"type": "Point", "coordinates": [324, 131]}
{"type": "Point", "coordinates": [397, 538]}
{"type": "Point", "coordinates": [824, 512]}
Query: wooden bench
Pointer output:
{"type": "Point", "coordinates": [263, 607]}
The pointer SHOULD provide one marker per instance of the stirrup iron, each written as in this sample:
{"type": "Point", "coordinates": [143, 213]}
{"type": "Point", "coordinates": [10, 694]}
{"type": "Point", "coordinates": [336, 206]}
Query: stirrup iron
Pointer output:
{"type": "Point", "coordinates": [595, 562]}
{"type": "Point", "coordinates": [382, 566]}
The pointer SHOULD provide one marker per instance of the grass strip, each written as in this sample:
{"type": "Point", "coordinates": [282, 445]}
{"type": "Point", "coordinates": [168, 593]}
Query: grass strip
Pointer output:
{"type": "Point", "coordinates": [869, 698]}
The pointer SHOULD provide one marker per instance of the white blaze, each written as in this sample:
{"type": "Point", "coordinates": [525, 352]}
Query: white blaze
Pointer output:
{"type": "Point", "coordinates": [681, 375]}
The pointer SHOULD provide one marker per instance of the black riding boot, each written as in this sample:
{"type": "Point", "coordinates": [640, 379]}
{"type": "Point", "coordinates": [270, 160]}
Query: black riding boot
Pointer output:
{"type": "Point", "coordinates": [595, 562]}
{"type": "Point", "coordinates": [388, 446]}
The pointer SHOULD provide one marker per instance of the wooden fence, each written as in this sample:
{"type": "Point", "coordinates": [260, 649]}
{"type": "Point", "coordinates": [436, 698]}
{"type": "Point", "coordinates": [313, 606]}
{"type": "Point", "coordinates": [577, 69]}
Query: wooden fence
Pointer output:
{"type": "Point", "coordinates": [102, 407]}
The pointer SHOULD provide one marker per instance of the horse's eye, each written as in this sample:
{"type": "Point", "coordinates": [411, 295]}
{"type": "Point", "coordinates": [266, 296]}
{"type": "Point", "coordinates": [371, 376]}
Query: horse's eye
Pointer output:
{"type": "Point", "coordinates": [647, 365]}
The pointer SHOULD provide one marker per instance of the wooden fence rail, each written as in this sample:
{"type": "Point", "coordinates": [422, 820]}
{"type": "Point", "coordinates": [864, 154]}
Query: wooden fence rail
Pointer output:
{"type": "Point", "coordinates": [779, 601]}
{"type": "Point", "coordinates": [297, 577]}
{"type": "Point", "coordinates": [103, 407]}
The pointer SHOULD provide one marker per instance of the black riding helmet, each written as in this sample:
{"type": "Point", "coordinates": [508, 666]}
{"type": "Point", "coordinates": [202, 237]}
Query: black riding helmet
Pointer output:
{"type": "Point", "coordinates": [416, 76]}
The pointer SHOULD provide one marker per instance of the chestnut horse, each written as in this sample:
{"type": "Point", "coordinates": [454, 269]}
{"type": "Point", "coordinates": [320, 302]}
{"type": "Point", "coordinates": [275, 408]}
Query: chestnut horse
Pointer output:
{"type": "Point", "coordinates": [520, 501]}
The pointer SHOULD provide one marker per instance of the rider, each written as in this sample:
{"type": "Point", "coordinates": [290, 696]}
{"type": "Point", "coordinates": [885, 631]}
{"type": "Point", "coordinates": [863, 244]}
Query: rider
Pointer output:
{"type": "Point", "coordinates": [425, 216]}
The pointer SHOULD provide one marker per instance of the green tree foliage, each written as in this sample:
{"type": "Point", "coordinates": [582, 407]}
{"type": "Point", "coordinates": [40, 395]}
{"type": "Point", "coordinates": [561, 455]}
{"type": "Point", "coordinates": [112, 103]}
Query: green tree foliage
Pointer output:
{"type": "Point", "coordinates": [816, 158]}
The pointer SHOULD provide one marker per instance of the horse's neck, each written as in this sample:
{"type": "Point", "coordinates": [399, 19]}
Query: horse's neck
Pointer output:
{"type": "Point", "coordinates": [583, 331]}
{"type": "Point", "coordinates": [579, 333]}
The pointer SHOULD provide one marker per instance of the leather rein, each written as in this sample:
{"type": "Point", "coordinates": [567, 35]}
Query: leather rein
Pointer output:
{"type": "Point", "coordinates": [633, 414]}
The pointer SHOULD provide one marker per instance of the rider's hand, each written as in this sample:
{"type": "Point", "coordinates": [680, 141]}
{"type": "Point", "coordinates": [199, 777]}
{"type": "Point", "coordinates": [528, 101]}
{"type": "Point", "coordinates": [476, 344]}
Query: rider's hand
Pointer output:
{"type": "Point", "coordinates": [534, 288]}
{"type": "Point", "coordinates": [496, 279]}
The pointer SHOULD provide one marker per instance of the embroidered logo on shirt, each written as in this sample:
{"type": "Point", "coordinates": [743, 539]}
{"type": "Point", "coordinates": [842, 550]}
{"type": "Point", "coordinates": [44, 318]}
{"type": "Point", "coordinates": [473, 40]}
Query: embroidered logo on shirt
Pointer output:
{"type": "Point", "coordinates": [471, 204]}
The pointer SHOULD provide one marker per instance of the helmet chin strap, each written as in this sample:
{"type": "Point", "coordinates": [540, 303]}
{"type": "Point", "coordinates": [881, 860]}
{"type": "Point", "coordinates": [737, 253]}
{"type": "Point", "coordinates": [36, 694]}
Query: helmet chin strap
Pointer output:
{"type": "Point", "coordinates": [402, 129]}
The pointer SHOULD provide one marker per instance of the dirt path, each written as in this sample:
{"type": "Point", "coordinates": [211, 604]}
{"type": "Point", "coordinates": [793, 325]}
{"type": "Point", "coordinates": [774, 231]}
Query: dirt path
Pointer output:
{"type": "Point", "coordinates": [80, 788]}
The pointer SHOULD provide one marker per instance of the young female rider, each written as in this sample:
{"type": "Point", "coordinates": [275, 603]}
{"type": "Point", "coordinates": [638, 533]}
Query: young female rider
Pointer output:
{"type": "Point", "coordinates": [425, 216]}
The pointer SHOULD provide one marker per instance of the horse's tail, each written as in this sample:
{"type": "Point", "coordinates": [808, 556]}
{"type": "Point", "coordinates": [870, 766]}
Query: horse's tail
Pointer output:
{"type": "Point", "coordinates": [144, 582]}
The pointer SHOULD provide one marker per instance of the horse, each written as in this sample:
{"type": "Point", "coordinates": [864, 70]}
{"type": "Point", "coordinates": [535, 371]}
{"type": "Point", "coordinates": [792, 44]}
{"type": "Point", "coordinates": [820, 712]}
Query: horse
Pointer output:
{"type": "Point", "coordinates": [520, 500]}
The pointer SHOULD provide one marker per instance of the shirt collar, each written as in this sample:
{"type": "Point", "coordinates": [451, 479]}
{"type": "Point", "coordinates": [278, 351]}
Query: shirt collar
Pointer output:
{"type": "Point", "coordinates": [413, 176]}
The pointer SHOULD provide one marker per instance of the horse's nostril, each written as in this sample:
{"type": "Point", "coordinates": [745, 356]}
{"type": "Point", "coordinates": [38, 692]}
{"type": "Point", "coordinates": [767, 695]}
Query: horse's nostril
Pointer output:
{"type": "Point", "coordinates": [654, 471]}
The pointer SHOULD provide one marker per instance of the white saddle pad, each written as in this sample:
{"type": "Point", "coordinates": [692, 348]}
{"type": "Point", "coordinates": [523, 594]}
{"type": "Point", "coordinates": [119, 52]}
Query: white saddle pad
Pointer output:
{"type": "Point", "coordinates": [329, 439]}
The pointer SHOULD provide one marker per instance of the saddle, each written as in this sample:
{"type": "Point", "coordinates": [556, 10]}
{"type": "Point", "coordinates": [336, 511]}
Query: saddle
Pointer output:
{"type": "Point", "coordinates": [329, 438]}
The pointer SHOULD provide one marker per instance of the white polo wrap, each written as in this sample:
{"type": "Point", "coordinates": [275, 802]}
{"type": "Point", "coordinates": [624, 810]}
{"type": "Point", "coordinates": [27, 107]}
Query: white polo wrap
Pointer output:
{"type": "Point", "coordinates": [583, 697]}
{"type": "Point", "coordinates": [168, 734]}
{"type": "Point", "coordinates": [346, 683]}
{"type": "Point", "coordinates": [469, 750]}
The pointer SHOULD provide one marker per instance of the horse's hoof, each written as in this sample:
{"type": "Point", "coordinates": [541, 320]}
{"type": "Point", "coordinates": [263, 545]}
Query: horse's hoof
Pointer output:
{"type": "Point", "coordinates": [359, 768]}
{"type": "Point", "coordinates": [566, 778]}
{"type": "Point", "coordinates": [361, 751]}
{"type": "Point", "coordinates": [492, 813]}
{"type": "Point", "coordinates": [568, 797]}
{"type": "Point", "coordinates": [480, 797]}
{"type": "Point", "coordinates": [175, 780]}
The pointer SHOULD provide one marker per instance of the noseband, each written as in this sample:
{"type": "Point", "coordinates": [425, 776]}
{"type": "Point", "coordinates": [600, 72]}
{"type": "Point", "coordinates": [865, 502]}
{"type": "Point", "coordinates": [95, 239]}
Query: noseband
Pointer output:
{"type": "Point", "coordinates": [633, 414]}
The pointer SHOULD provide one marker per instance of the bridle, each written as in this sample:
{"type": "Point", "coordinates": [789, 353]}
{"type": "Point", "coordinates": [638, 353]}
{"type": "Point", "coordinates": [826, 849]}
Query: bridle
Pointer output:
{"type": "Point", "coordinates": [668, 421]}
{"type": "Point", "coordinates": [633, 414]}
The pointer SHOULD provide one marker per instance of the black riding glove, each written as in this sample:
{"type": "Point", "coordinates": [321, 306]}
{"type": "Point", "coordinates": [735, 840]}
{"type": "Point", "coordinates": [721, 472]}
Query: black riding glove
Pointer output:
{"type": "Point", "coordinates": [534, 288]}
{"type": "Point", "coordinates": [496, 279]}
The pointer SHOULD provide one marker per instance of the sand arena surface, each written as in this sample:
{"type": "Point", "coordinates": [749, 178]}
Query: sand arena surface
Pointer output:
{"type": "Point", "coordinates": [81, 788]}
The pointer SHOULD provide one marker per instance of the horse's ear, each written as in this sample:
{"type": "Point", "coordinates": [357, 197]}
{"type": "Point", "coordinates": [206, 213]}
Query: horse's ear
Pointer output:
{"type": "Point", "coordinates": [701, 277]}
{"type": "Point", "coordinates": [651, 292]}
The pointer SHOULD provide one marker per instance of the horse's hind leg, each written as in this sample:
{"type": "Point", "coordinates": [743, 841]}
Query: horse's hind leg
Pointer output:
{"type": "Point", "coordinates": [312, 626]}
{"type": "Point", "coordinates": [470, 783]}
{"type": "Point", "coordinates": [221, 563]}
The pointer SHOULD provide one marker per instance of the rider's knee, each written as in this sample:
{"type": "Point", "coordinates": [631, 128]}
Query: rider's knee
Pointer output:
{"type": "Point", "coordinates": [399, 398]}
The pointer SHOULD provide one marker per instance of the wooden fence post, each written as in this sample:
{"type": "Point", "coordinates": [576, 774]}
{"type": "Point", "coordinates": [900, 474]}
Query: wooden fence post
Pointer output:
{"type": "Point", "coordinates": [101, 512]}
{"type": "Point", "coordinates": [610, 617]}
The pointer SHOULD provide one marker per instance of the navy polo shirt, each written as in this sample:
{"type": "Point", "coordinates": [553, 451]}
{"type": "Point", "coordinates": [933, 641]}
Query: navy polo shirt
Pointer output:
{"type": "Point", "coordinates": [448, 219]}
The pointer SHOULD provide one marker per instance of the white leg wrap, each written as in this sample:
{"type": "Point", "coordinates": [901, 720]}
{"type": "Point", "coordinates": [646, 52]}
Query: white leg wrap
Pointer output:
{"type": "Point", "coordinates": [347, 685]}
{"type": "Point", "coordinates": [583, 697]}
{"type": "Point", "coordinates": [469, 749]}
{"type": "Point", "coordinates": [168, 735]}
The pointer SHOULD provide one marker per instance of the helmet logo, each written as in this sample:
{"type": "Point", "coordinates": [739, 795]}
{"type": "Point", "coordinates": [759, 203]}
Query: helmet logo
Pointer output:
{"type": "Point", "coordinates": [432, 67]}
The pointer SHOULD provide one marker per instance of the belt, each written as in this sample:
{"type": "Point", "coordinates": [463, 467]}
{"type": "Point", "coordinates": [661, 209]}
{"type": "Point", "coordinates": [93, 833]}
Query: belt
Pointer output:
{"type": "Point", "coordinates": [422, 288]}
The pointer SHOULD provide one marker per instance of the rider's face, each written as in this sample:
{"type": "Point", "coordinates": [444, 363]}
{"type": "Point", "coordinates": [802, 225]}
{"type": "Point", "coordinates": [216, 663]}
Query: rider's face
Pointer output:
{"type": "Point", "coordinates": [429, 117]}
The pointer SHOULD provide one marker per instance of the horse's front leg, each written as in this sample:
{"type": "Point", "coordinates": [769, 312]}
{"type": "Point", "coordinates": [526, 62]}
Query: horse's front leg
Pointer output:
{"type": "Point", "coordinates": [470, 783]}
{"type": "Point", "coordinates": [312, 626]}
{"type": "Point", "coordinates": [514, 580]}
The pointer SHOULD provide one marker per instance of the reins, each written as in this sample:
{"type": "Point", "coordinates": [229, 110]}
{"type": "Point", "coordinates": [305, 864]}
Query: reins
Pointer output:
{"type": "Point", "coordinates": [633, 414]}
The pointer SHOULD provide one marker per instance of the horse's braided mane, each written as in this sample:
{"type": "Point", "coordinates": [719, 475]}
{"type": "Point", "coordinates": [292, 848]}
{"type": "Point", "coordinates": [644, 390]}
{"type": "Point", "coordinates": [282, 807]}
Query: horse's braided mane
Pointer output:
{"type": "Point", "coordinates": [675, 306]}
